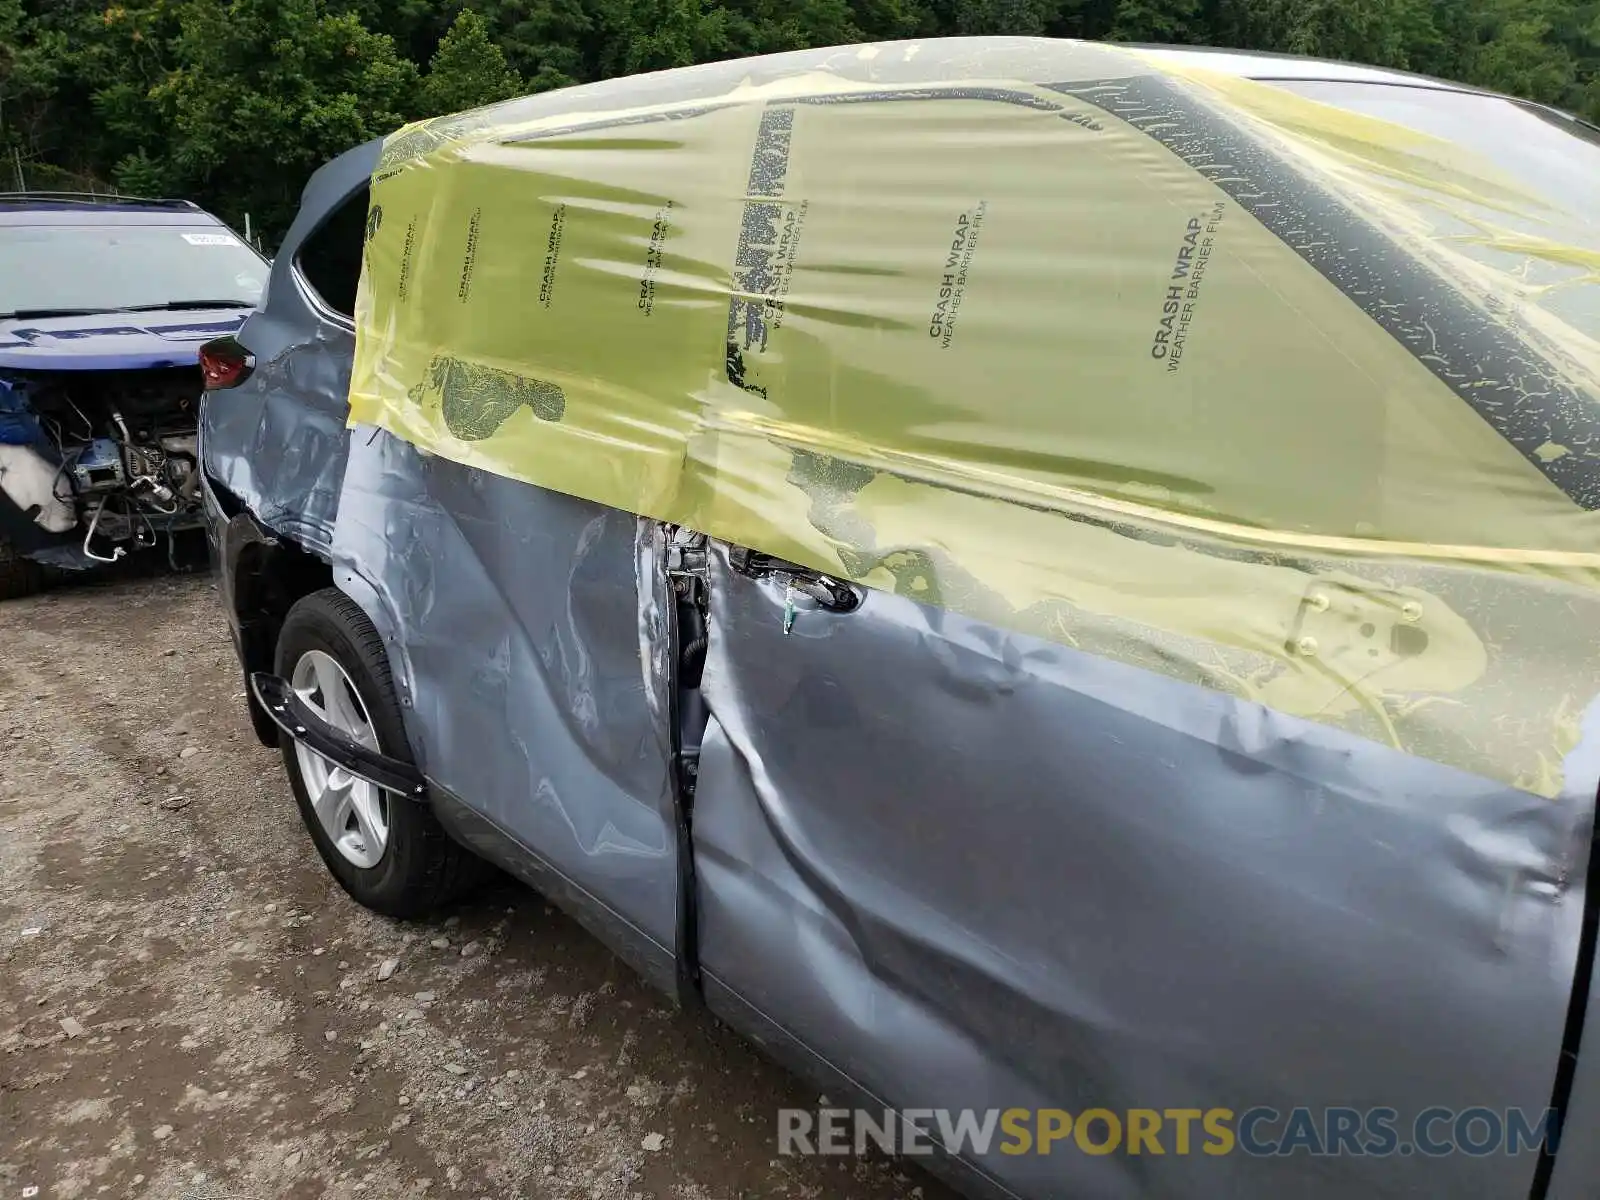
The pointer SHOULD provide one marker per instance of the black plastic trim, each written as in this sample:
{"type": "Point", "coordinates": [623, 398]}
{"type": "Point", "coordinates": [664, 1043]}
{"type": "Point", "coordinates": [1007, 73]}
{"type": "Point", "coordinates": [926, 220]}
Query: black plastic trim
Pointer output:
{"type": "Point", "coordinates": [1577, 1011]}
{"type": "Point", "coordinates": [296, 719]}
{"type": "Point", "coordinates": [686, 937]}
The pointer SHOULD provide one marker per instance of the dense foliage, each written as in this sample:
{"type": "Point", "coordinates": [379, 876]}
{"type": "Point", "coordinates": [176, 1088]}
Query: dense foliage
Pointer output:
{"type": "Point", "coordinates": [234, 102]}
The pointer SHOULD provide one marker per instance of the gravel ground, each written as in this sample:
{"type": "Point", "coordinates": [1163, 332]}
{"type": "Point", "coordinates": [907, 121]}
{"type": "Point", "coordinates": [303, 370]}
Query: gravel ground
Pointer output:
{"type": "Point", "coordinates": [190, 1007]}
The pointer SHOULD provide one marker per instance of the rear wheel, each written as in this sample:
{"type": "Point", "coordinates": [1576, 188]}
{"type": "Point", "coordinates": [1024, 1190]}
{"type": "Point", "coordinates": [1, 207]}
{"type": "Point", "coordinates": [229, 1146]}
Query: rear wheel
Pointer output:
{"type": "Point", "coordinates": [19, 577]}
{"type": "Point", "coordinates": [388, 852]}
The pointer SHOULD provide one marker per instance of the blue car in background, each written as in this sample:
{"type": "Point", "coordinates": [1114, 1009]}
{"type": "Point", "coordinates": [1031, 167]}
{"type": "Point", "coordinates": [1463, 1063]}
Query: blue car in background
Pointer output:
{"type": "Point", "coordinates": [104, 304]}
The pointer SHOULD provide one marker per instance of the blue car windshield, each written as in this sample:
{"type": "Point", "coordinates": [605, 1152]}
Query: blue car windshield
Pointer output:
{"type": "Point", "coordinates": [102, 268]}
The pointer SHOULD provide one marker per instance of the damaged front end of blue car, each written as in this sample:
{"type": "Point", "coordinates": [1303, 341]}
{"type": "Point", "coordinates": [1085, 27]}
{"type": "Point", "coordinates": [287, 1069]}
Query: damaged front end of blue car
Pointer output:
{"type": "Point", "coordinates": [104, 304]}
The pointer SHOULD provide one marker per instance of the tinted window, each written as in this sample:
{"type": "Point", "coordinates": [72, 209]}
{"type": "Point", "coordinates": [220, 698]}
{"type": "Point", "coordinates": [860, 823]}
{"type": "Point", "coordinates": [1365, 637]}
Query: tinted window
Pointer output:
{"type": "Point", "coordinates": [104, 267]}
{"type": "Point", "coordinates": [330, 259]}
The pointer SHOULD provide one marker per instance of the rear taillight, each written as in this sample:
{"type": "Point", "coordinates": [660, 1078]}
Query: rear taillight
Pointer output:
{"type": "Point", "coordinates": [224, 363]}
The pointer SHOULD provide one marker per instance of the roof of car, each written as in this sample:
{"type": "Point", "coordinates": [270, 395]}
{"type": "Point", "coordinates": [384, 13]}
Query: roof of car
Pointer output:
{"type": "Point", "coordinates": [82, 208]}
{"type": "Point", "coordinates": [1268, 66]}
{"type": "Point", "coordinates": [1262, 65]}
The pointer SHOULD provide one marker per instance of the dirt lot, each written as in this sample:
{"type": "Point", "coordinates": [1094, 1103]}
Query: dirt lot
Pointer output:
{"type": "Point", "coordinates": [189, 1007]}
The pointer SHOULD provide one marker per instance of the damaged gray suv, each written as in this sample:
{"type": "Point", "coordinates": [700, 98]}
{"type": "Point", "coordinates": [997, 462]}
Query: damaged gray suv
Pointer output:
{"type": "Point", "coordinates": [1051, 586]}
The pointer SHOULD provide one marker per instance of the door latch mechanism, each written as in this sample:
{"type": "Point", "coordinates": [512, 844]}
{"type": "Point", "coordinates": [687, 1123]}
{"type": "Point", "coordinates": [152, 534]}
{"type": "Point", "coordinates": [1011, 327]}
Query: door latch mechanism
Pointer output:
{"type": "Point", "coordinates": [830, 594]}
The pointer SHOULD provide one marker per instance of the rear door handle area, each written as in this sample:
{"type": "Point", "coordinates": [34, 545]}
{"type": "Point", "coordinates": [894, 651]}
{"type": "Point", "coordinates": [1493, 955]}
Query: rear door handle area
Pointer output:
{"type": "Point", "coordinates": [830, 594]}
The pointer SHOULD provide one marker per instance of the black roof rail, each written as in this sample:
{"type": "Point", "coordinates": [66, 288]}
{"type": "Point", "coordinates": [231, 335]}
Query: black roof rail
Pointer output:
{"type": "Point", "coordinates": [97, 198]}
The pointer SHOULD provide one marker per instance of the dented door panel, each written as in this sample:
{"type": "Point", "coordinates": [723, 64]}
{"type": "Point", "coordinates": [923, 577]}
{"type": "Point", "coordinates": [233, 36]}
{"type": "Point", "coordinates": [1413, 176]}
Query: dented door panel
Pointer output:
{"type": "Point", "coordinates": [515, 618]}
{"type": "Point", "coordinates": [975, 869]}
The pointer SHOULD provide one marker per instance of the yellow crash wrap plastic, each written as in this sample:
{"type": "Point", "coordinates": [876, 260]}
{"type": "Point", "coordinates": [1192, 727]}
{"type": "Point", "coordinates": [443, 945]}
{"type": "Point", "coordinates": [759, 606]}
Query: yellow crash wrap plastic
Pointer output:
{"type": "Point", "coordinates": [1041, 347]}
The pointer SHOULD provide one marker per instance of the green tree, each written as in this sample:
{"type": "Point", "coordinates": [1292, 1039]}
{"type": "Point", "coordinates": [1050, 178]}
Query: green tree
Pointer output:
{"type": "Point", "coordinates": [74, 80]}
{"type": "Point", "coordinates": [468, 69]}
{"type": "Point", "coordinates": [887, 20]}
{"type": "Point", "coordinates": [1023, 18]}
{"type": "Point", "coordinates": [1391, 33]}
{"type": "Point", "coordinates": [268, 90]}
{"type": "Point", "coordinates": [415, 26]}
{"type": "Point", "coordinates": [772, 26]}
{"type": "Point", "coordinates": [1509, 45]}
{"type": "Point", "coordinates": [551, 43]}
{"type": "Point", "coordinates": [1158, 21]}
{"type": "Point", "coordinates": [659, 34]}
{"type": "Point", "coordinates": [235, 102]}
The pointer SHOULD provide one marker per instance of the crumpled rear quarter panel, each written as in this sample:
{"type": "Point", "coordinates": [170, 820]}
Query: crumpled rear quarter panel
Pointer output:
{"type": "Point", "coordinates": [278, 441]}
{"type": "Point", "coordinates": [515, 620]}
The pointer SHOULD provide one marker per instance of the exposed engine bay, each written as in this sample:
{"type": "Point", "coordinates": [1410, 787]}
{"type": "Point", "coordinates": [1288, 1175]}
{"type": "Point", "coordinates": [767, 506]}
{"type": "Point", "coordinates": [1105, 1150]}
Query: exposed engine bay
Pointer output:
{"type": "Point", "coordinates": [106, 460]}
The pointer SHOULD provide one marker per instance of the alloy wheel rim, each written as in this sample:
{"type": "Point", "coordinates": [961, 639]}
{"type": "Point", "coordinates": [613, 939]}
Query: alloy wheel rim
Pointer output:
{"type": "Point", "coordinates": [353, 813]}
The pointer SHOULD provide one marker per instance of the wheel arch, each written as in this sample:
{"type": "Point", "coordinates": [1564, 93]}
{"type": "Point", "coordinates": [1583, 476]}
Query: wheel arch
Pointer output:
{"type": "Point", "coordinates": [265, 575]}
{"type": "Point", "coordinates": [373, 601]}
{"type": "Point", "coordinates": [269, 574]}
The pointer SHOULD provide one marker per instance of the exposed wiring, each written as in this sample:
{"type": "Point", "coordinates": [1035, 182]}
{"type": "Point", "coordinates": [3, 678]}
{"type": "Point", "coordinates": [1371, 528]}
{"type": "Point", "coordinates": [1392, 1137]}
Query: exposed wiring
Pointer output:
{"type": "Point", "coordinates": [115, 502]}
{"type": "Point", "coordinates": [88, 425]}
{"type": "Point", "coordinates": [68, 459]}
{"type": "Point", "coordinates": [150, 530]}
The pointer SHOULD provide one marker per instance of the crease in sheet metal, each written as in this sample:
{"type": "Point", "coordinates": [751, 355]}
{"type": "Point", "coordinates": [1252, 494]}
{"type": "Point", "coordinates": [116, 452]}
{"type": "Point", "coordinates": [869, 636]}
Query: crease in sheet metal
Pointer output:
{"type": "Point", "coordinates": [1192, 372]}
{"type": "Point", "coordinates": [1198, 901]}
{"type": "Point", "coordinates": [515, 619]}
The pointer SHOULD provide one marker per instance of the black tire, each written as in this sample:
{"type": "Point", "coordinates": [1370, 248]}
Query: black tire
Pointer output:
{"type": "Point", "coordinates": [19, 576]}
{"type": "Point", "coordinates": [422, 867]}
